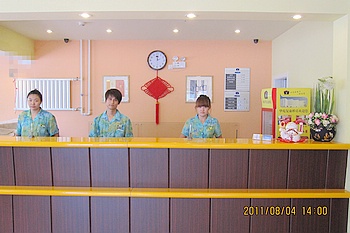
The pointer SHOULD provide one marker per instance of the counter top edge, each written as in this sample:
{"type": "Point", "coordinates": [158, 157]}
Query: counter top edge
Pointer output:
{"type": "Point", "coordinates": [209, 143]}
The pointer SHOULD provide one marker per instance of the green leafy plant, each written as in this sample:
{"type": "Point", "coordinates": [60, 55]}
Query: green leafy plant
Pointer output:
{"type": "Point", "coordinates": [324, 95]}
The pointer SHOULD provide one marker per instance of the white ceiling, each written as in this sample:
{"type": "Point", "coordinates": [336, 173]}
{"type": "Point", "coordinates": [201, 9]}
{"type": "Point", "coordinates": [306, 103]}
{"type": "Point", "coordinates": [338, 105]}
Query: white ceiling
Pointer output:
{"type": "Point", "coordinates": [154, 25]}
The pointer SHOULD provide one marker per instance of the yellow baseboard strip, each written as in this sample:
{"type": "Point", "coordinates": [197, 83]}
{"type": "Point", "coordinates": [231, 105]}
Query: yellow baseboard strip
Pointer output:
{"type": "Point", "coordinates": [240, 193]}
{"type": "Point", "coordinates": [172, 192]}
{"type": "Point", "coordinates": [64, 191]}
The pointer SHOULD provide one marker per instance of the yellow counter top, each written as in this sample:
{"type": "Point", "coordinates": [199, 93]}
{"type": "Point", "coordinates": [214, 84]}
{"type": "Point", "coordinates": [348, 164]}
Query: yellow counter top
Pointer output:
{"type": "Point", "coordinates": [210, 143]}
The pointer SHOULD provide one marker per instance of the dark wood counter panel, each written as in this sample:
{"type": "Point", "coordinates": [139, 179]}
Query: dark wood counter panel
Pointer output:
{"type": "Point", "coordinates": [173, 167]}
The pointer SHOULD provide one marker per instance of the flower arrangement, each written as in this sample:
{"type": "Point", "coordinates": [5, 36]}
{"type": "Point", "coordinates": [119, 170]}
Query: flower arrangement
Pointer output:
{"type": "Point", "coordinates": [322, 121]}
{"type": "Point", "coordinates": [319, 120]}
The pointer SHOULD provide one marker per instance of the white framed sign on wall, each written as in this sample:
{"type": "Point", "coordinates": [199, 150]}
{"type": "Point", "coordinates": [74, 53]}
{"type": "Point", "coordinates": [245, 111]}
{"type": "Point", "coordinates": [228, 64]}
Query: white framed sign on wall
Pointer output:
{"type": "Point", "coordinates": [198, 85]}
{"type": "Point", "coordinates": [236, 89]}
{"type": "Point", "coordinates": [119, 82]}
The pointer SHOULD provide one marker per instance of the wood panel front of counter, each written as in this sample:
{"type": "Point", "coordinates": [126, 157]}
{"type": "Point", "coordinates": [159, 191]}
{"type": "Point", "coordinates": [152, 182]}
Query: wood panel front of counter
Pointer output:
{"type": "Point", "coordinates": [172, 168]}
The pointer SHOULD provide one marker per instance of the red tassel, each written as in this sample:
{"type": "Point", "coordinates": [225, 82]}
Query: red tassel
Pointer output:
{"type": "Point", "coordinates": [157, 112]}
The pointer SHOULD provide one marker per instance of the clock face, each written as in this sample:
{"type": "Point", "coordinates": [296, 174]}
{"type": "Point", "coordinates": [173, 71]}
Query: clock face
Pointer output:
{"type": "Point", "coordinates": [156, 60]}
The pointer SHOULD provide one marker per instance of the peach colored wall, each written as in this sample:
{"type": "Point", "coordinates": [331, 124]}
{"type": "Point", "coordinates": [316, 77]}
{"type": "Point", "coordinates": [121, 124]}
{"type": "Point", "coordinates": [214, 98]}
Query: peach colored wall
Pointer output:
{"type": "Point", "coordinates": [57, 59]}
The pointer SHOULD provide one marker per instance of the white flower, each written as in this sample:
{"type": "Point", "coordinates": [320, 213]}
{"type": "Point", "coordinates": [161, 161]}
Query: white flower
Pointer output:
{"type": "Point", "coordinates": [327, 83]}
{"type": "Point", "coordinates": [325, 123]}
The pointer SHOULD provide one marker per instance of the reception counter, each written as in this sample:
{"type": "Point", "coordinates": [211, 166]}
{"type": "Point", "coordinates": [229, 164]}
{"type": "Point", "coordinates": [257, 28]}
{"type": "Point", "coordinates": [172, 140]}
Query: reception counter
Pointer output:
{"type": "Point", "coordinates": [165, 185]}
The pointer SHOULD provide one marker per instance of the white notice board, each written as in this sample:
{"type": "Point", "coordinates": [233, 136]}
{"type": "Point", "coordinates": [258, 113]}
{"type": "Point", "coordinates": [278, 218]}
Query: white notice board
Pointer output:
{"type": "Point", "coordinates": [236, 89]}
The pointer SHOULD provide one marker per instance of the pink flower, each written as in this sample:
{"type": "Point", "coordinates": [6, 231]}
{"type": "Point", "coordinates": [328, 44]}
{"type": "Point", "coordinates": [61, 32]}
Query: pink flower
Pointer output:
{"type": "Point", "coordinates": [311, 115]}
{"type": "Point", "coordinates": [317, 121]}
{"type": "Point", "coordinates": [324, 116]}
{"type": "Point", "coordinates": [334, 119]}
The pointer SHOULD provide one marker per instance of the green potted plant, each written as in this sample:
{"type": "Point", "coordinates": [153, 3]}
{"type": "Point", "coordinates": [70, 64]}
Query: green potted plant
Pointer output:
{"type": "Point", "coordinates": [323, 121]}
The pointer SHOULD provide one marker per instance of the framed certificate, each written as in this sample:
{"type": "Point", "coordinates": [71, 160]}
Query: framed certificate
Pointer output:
{"type": "Point", "coordinates": [198, 85]}
{"type": "Point", "coordinates": [118, 82]}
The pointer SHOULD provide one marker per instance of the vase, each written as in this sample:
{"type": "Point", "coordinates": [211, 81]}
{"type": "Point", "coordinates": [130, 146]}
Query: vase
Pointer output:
{"type": "Point", "coordinates": [322, 134]}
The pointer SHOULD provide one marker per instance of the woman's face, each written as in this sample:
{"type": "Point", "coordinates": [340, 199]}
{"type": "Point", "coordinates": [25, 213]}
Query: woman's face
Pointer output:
{"type": "Point", "coordinates": [202, 111]}
{"type": "Point", "coordinates": [34, 102]}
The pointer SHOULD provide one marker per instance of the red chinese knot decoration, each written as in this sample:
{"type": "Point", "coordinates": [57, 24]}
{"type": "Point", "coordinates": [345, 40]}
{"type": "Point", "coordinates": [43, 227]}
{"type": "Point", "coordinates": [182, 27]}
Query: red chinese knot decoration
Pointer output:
{"type": "Point", "coordinates": [157, 88]}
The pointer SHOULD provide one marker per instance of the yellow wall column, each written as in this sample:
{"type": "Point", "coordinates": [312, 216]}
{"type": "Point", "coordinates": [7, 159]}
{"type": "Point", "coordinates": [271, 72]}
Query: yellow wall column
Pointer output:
{"type": "Point", "coordinates": [16, 44]}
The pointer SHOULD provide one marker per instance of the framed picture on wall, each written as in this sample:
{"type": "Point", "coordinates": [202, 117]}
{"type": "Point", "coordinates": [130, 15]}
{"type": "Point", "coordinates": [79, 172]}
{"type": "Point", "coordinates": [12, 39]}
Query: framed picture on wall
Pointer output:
{"type": "Point", "coordinates": [198, 85]}
{"type": "Point", "coordinates": [118, 82]}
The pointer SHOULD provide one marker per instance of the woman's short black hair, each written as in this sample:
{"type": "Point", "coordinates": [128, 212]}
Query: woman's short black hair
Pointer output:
{"type": "Point", "coordinates": [203, 100]}
{"type": "Point", "coordinates": [36, 92]}
{"type": "Point", "coordinates": [114, 92]}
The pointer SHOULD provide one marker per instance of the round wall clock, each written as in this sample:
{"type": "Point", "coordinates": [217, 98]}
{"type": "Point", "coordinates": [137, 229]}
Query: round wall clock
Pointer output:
{"type": "Point", "coordinates": [156, 60]}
